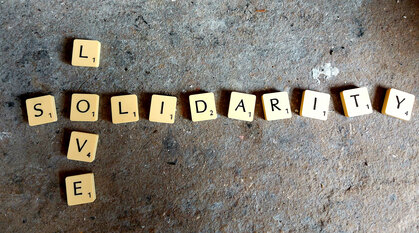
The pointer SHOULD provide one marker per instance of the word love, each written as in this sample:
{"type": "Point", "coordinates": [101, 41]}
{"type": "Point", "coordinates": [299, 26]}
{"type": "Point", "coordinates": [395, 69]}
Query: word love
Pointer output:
{"type": "Point", "coordinates": [276, 106]}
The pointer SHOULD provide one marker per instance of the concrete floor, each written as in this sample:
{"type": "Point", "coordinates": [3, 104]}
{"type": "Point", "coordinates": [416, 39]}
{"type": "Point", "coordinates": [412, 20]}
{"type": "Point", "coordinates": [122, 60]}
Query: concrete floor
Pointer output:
{"type": "Point", "coordinates": [297, 175]}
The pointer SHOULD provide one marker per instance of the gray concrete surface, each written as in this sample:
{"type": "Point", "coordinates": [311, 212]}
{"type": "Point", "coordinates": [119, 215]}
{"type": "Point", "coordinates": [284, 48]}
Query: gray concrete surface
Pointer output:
{"type": "Point", "coordinates": [298, 175]}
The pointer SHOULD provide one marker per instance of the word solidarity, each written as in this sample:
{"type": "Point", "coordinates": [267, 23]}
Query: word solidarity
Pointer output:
{"type": "Point", "coordinates": [80, 189]}
{"type": "Point", "coordinates": [276, 106]}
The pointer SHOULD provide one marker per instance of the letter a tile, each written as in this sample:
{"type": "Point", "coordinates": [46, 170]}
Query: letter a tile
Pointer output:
{"type": "Point", "coordinates": [242, 106]}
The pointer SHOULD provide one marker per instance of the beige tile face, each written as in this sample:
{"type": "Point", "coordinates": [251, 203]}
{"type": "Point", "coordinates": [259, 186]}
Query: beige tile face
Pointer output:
{"type": "Point", "coordinates": [356, 102]}
{"type": "Point", "coordinates": [41, 110]}
{"type": "Point", "coordinates": [84, 107]}
{"type": "Point", "coordinates": [202, 107]}
{"type": "Point", "coordinates": [124, 109]}
{"type": "Point", "coordinates": [242, 106]}
{"type": "Point", "coordinates": [315, 105]}
{"type": "Point", "coordinates": [86, 53]}
{"type": "Point", "coordinates": [163, 109]}
{"type": "Point", "coordinates": [276, 106]}
{"type": "Point", "coordinates": [80, 189]}
{"type": "Point", "coordinates": [82, 146]}
{"type": "Point", "coordinates": [398, 104]}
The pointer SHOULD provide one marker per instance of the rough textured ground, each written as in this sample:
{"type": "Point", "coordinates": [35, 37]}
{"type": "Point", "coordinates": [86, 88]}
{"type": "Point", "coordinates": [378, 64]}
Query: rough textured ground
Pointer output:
{"type": "Point", "coordinates": [298, 175]}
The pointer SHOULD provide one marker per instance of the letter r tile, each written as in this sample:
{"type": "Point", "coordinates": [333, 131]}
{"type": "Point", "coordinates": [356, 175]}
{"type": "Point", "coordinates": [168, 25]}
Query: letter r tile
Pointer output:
{"type": "Point", "coordinates": [276, 106]}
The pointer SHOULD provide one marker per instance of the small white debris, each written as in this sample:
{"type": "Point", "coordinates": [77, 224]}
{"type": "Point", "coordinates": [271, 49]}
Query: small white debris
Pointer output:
{"type": "Point", "coordinates": [326, 70]}
{"type": "Point", "coordinates": [4, 135]}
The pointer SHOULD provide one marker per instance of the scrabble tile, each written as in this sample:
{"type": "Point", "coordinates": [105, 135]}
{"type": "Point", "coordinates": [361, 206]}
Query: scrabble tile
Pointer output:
{"type": "Point", "coordinates": [356, 102]}
{"type": "Point", "coordinates": [82, 146]}
{"type": "Point", "coordinates": [84, 107]}
{"type": "Point", "coordinates": [242, 106]}
{"type": "Point", "coordinates": [86, 53]}
{"type": "Point", "coordinates": [41, 110]}
{"type": "Point", "coordinates": [202, 107]}
{"type": "Point", "coordinates": [315, 105]}
{"type": "Point", "coordinates": [124, 108]}
{"type": "Point", "coordinates": [80, 189]}
{"type": "Point", "coordinates": [276, 106]}
{"type": "Point", "coordinates": [398, 104]}
{"type": "Point", "coordinates": [163, 109]}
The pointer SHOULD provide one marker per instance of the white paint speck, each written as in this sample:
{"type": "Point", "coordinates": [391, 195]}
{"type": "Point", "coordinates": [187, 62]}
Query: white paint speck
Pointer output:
{"type": "Point", "coordinates": [4, 135]}
{"type": "Point", "coordinates": [326, 70]}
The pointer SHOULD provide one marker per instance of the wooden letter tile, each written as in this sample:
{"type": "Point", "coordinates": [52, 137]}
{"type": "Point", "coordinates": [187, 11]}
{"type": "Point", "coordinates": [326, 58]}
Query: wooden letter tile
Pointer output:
{"type": "Point", "coordinates": [202, 107]}
{"type": "Point", "coordinates": [80, 189]}
{"type": "Point", "coordinates": [82, 146]}
{"type": "Point", "coordinates": [315, 105]}
{"type": "Point", "coordinates": [276, 106]}
{"type": "Point", "coordinates": [356, 102]}
{"type": "Point", "coordinates": [124, 109]}
{"type": "Point", "coordinates": [398, 104]}
{"type": "Point", "coordinates": [242, 106]}
{"type": "Point", "coordinates": [84, 107]}
{"type": "Point", "coordinates": [86, 53]}
{"type": "Point", "coordinates": [163, 109]}
{"type": "Point", "coordinates": [41, 110]}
